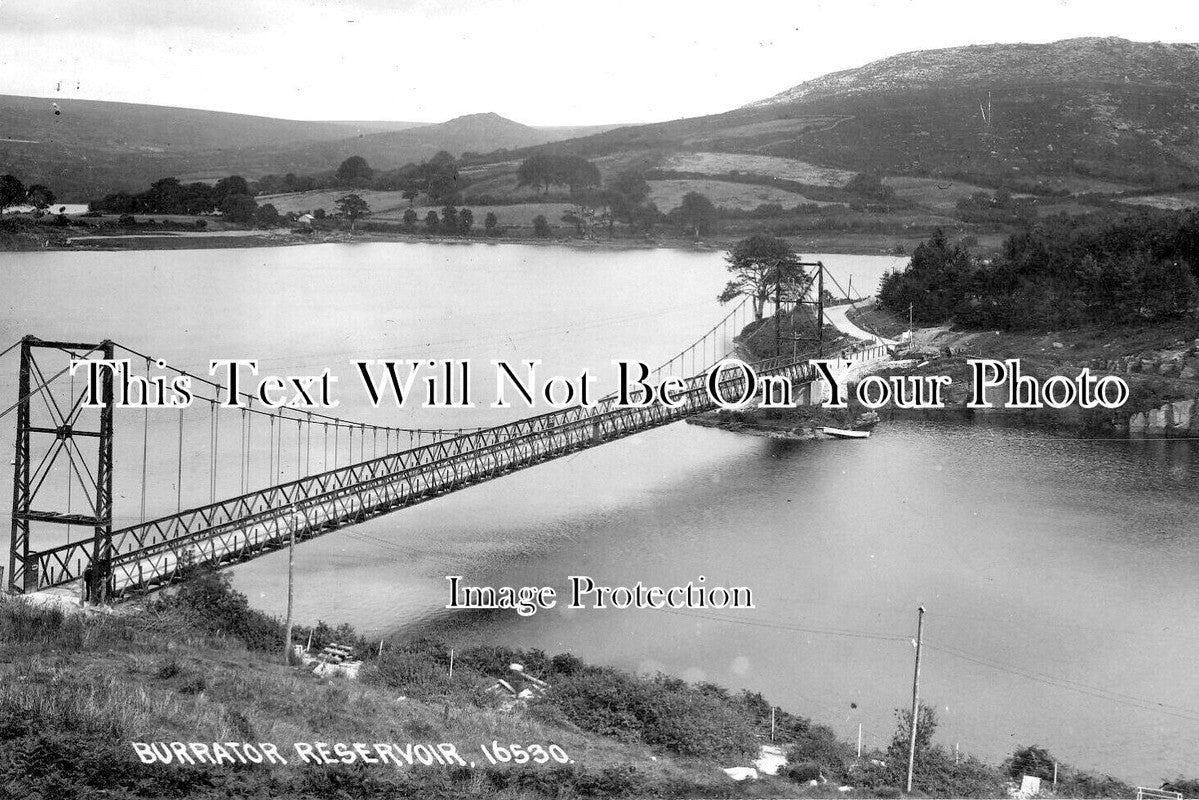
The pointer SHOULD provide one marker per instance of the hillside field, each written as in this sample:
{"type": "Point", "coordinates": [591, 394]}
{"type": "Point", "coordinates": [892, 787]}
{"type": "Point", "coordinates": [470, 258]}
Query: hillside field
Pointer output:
{"type": "Point", "coordinates": [790, 169]}
{"type": "Point", "coordinates": [300, 202]}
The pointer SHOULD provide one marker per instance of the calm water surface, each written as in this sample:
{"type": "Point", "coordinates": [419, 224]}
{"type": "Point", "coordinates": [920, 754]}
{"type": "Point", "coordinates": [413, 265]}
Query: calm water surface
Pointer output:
{"type": "Point", "coordinates": [1057, 573]}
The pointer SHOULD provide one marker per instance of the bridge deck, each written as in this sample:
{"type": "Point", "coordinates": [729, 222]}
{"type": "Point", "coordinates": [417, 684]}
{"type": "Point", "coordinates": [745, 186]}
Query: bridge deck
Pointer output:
{"type": "Point", "coordinates": [149, 555]}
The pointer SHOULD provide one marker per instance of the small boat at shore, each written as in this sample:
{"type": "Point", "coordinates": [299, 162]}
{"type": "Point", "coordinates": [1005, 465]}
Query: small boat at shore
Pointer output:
{"type": "Point", "coordinates": [841, 433]}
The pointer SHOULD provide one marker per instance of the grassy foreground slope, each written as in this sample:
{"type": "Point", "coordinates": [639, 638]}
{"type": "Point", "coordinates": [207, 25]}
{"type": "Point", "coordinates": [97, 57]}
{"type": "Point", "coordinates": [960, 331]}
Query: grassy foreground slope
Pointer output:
{"type": "Point", "coordinates": [201, 666]}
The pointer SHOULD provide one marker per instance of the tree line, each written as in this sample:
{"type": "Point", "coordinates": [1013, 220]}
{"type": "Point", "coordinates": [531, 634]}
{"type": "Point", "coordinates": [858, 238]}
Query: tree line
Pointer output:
{"type": "Point", "coordinates": [232, 196]}
{"type": "Point", "coordinates": [1062, 272]}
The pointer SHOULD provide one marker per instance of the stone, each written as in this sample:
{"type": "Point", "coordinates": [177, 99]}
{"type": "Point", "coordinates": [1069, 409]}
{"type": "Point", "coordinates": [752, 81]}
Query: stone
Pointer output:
{"type": "Point", "coordinates": [1180, 415]}
{"type": "Point", "coordinates": [1158, 420]}
{"type": "Point", "coordinates": [741, 773]}
{"type": "Point", "coordinates": [1138, 423]}
{"type": "Point", "coordinates": [1187, 373]}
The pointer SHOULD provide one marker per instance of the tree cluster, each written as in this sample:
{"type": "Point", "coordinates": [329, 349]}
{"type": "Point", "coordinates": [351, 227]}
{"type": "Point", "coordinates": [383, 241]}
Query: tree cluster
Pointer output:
{"type": "Point", "coordinates": [1062, 272]}
{"type": "Point", "coordinates": [542, 171]}
{"type": "Point", "coordinates": [436, 178]}
{"type": "Point", "coordinates": [452, 221]}
{"type": "Point", "coordinates": [623, 199]}
{"type": "Point", "coordinates": [231, 196]}
{"type": "Point", "coordinates": [15, 193]}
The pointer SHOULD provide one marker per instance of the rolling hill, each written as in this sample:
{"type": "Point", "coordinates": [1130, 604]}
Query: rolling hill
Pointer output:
{"type": "Point", "coordinates": [1028, 116]}
{"type": "Point", "coordinates": [91, 148]}
{"type": "Point", "coordinates": [480, 133]}
{"type": "Point", "coordinates": [1076, 116]}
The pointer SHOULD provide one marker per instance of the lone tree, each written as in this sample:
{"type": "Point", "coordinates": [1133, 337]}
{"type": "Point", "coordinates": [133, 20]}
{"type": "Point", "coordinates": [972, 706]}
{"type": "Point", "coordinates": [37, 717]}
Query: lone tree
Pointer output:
{"type": "Point", "coordinates": [696, 213]}
{"type": "Point", "coordinates": [239, 208]}
{"type": "Point", "coordinates": [267, 216]}
{"type": "Point", "coordinates": [763, 265]}
{"type": "Point", "coordinates": [541, 227]}
{"type": "Point", "coordinates": [354, 171]}
{"type": "Point", "coordinates": [226, 187]}
{"type": "Point", "coordinates": [352, 207]}
{"type": "Point", "coordinates": [39, 196]}
{"type": "Point", "coordinates": [624, 196]}
{"type": "Point", "coordinates": [12, 191]}
{"type": "Point", "coordinates": [491, 224]}
{"type": "Point", "coordinates": [545, 170]}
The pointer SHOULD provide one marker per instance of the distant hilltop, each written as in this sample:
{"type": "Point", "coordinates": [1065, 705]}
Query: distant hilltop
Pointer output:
{"type": "Point", "coordinates": [1085, 61]}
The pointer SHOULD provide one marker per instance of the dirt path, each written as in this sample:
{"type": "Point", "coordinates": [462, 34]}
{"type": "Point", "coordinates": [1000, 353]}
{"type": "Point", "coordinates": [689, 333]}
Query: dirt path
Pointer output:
{"type": "Point", "coordinates": [836, 316]}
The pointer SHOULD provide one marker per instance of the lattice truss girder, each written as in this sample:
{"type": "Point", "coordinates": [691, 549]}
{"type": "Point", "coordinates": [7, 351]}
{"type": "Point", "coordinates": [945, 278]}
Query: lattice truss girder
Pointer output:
{"type": "Point", "coordinates": [149, 554]}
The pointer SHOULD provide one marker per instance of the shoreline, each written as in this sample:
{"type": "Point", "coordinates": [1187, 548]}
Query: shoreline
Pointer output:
{"type": "Point", "coordinates": [188, 240]}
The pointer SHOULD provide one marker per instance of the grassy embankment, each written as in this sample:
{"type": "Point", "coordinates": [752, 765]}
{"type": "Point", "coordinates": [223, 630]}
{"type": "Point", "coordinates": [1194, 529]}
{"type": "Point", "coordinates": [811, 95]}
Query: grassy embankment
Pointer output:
{"type": "Point", "coordinates": [201, 666]}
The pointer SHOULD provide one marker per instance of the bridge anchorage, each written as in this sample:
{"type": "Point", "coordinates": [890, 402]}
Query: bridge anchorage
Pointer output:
{"type": "Point", "coordinates": [354, 472]}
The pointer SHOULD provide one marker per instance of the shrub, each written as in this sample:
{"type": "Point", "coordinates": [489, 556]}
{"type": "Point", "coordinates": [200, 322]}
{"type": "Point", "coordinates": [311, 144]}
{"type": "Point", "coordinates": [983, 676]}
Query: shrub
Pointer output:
{"type": "Point", "coordinates": [1032, 760]}
{"type": "Point", "coordinates": [541, 227]}
{"type": "Point", "coordinates": [566, 664]}
{"type": "Point", "coordinates": [820, 746]}
{"type": "Point", "coordinates": [209, 602]}
{"type": "Point", "coordinates": [169, 670]}
{"type": "Point", "coordinates": [660, 711]}
{"type": "Point", "coordinates": [77, 763]}
{"type": "Point", "coordinates": [1088, 784]}
{"type": "Point", "coordinates": [413, 674]}
{"type": "Point", "coordinates": [804, 771]}
{"type": "Point", "coordinates": [194, 685]}
{"type": "Point", "coordinates": [1187, 787]}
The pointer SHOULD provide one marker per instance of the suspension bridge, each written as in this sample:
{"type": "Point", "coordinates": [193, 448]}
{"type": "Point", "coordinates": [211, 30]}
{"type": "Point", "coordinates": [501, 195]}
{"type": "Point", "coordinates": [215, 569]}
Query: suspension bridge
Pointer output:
{"type": "Point", "coordinates": [356, 470]}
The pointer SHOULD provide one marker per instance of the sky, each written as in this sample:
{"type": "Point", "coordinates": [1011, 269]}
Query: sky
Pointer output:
{"type": "Point", "coordinates": [540, 62]}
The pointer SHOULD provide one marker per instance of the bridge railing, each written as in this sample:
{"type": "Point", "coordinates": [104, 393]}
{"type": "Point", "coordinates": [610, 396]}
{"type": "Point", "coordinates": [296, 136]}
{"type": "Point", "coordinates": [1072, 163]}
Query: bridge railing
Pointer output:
{"type": "Point", "coordinates": [327, 499]}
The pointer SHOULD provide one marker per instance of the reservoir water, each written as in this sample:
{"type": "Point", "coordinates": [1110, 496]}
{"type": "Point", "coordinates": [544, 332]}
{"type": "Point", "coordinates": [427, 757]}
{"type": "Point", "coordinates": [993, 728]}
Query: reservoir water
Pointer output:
{"type": "Point", "coordinates": [1058, 573]}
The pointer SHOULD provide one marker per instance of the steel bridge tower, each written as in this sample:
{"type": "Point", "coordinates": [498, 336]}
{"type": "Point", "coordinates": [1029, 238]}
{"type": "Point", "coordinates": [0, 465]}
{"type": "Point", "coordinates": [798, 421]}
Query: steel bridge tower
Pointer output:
{"type": "Point", "coordinates": [50, 432]}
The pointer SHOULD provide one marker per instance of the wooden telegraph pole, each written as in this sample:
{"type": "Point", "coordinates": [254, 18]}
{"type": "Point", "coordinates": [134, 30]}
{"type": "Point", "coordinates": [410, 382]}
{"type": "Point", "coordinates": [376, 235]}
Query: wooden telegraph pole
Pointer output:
{"type": "Point", "coordinates": [915, 696]}
{"type": "Point", "coordinates": [291, 552]}
{"type": "Point", "coordinates": [820, 309]}
{"type": "Point", "coordinates": [778, 309]}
